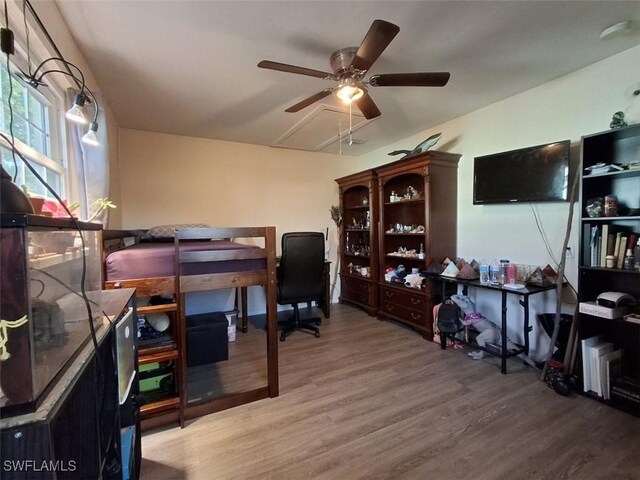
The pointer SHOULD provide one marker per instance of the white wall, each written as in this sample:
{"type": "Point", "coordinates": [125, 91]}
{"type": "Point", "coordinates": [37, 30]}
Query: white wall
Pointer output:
{"type": "Point", "coordinates": [567, 108]}
{"type": "Point", "coordinates": [175, 179]}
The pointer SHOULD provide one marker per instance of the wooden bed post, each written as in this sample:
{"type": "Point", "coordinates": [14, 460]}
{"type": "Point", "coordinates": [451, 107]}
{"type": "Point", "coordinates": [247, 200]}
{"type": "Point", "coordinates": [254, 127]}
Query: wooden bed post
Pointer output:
{"type": "Point", "coordinates": [181, 332]}
{"type": "Point", "coordinates": [272, 314]}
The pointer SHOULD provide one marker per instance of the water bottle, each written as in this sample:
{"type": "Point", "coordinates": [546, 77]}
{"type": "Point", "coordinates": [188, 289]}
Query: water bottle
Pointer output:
{"type": "Point", "coordinates": [484, 274]}
{"type": "Point", "coordinates": [494, 273]}
{"type": "Point", "coordinates": [504, 265]}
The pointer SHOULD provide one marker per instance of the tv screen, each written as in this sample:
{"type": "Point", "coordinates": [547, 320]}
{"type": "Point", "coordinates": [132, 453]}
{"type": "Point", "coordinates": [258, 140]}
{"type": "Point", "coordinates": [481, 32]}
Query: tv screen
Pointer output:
{"type": "Point", "coordinates": [532, 174]}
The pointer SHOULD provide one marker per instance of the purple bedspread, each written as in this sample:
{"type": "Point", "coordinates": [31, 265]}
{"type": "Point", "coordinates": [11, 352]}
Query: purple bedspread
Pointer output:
{"type": "Point", "coordinates": [147, 260]}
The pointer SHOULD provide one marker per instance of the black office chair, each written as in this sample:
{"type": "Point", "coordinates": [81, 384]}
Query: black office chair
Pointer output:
{"type": "Point", "coordinates": [300, 277]}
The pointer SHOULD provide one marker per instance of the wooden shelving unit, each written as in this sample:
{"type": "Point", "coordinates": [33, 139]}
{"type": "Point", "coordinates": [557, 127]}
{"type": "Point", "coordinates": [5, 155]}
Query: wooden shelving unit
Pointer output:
{"type": "Point", "coordinates": [358, 241]}
{"type": "Point", "coordinates": [620, 146]}
{"type": "Point", "coordinates": [408, 203]}
{"type": "Point", "coordinates": [418, 208]}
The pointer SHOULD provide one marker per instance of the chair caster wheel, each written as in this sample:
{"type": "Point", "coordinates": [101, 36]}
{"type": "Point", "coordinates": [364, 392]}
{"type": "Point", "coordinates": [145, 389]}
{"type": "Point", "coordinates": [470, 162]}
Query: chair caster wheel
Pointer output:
{"type": "Point", "coordinates": [317, 334]}
{"type": "Point", "coordinates": [283, 337]}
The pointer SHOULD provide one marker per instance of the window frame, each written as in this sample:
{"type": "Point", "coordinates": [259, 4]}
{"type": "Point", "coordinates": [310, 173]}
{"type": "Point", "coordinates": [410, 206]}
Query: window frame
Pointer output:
{"type": "Point", "coordinates": [52, 97]}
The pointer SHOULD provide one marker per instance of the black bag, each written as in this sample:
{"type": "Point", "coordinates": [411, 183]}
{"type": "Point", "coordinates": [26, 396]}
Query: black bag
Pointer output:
{"type": "Point", "coordinates": [449, 316]}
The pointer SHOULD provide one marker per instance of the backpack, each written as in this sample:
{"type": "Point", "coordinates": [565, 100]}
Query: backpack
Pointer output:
{"type": "Point", "coordinates": [449, 316]}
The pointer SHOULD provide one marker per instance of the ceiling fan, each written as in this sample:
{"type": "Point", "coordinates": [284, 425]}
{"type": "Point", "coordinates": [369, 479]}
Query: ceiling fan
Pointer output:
{"type": "Point", "coordinates": [349, 67]}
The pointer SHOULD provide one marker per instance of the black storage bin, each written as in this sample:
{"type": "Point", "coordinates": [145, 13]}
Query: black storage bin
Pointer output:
{"type": "Point", "coordinates": [207, 340]}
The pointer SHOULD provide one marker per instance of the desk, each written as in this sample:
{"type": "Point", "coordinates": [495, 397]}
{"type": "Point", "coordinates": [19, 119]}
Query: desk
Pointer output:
{"type": "Point", "coordinates": [324, 302]}
{"type": "Point", "coordinates": [525, 293]}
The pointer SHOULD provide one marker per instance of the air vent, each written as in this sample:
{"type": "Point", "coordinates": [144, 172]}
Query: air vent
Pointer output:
{"type": "Point", "coordinates": [320, 128]}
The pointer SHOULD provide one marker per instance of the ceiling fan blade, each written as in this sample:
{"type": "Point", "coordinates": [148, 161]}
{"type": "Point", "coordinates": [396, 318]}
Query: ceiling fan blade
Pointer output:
{"type": "Point", "coordinates": [368, 107]}
{"type": "Point", "coordinates": [283, 67]}
{"type": "Point", "coordinates": [308, 101]}
{"type": "Point", "coordinates": [425, 79]}
{"type": "Point", "coordinates": [375, 41]}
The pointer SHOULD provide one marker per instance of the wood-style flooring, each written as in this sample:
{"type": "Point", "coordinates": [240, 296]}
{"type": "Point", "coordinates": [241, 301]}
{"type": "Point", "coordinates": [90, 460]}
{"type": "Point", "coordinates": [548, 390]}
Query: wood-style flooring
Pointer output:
{"type": "Point", "coordinates": [372, 399]}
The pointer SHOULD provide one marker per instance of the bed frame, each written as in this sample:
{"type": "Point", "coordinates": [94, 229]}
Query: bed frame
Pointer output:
{"type": "Point", "coordinates": [177, 409]}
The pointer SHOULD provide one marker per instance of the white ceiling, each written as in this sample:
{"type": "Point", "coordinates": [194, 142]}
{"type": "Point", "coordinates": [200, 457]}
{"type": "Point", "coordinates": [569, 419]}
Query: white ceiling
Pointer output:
{"type": "Point", "coordinates": [189, 67]}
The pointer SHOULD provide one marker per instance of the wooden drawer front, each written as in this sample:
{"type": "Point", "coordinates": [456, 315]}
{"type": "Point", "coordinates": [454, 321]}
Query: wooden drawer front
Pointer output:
{"type": "Point", "coordinates": [357, 290]}
{"type": "Point", "coordinates": [417, 317]}
{"type": "Point", "coordinates": [407, 299]}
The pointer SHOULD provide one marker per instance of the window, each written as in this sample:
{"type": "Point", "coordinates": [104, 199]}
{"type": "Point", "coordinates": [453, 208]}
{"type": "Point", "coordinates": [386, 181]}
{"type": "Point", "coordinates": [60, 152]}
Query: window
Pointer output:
{"type": "Point", "coordinates": [34, 122]}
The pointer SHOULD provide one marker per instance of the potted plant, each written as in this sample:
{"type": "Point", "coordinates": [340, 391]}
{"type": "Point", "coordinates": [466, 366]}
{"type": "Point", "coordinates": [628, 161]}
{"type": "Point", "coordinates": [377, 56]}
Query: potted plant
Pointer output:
{"type": "Point", "coordinates": [100, 205]}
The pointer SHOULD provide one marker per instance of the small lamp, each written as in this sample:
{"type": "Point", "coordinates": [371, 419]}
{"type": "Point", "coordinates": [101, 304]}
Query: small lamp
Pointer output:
{"type": "Point", "coordinates": [76, 112]}
{"type": "Point", "coordinates": [90, 138]}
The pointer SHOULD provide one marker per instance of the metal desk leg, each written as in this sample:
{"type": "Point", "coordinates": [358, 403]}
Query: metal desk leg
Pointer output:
{"type": "Point", "coordinates": [503, 350]}
{"type": "Point", "coordinates": [525, 304]}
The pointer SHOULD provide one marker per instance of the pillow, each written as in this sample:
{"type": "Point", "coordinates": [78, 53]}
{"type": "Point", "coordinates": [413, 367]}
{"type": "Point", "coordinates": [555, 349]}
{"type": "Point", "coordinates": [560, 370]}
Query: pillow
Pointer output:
{"type": "Point", "coordinates": [166, 233]}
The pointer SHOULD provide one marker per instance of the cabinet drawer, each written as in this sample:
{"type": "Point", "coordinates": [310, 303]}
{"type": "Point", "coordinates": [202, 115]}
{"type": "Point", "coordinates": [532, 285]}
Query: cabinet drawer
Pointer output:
{"type": "Point", "coordinates": [357, 290]}
{"type": "Point", "coordinates": [355, 284]}
{"type": "Point", "coordinates": [416, 301]}
{"type": "Point", "coordinates": [417, 317]}
{"type": "Point", "coordinates": [357, 297]}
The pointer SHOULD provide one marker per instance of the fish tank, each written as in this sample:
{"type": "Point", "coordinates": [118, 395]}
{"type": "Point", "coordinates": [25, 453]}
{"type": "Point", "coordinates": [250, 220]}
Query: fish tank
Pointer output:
{"type": "Point", "coordinates": [50, 300]}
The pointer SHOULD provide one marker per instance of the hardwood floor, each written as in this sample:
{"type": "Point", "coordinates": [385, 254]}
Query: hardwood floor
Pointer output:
{"type": "Point", "coordinates": [373, 399]}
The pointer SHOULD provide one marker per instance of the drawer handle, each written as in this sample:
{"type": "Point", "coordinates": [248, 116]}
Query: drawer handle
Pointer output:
{"type": "Point", "coordinates": [389, 307]}
{"type": "Point", "coordinates": [415, 301]}
{"type": "Point", "coordinates": [388, 294]}
{"type": "Point", "coordinates": [364, 286]}
{"type": "Point", "coordinates": [415, 316]}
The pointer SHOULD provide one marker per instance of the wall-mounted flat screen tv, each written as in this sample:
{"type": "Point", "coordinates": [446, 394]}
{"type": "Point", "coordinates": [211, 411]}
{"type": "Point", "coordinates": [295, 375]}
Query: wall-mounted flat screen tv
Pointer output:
{"type": "Point", "coordinates": [532, 174]}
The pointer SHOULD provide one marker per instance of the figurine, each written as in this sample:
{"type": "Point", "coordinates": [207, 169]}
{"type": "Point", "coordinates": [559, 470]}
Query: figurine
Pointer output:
{"type": "Point", "coordinates": [422, 147]}
{"type": "Point", "coordinates": [618, 120]}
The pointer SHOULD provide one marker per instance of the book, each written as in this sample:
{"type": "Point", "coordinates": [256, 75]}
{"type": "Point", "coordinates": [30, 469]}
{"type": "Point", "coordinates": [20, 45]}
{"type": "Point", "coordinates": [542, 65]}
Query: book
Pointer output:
{"type": "Point", "coordinates": [616, 248]}
{"type": "Point", "coordinates": [595, 260]}
{"type": "Point", "coordinates": [611, 244]}
{"type": "Point", "coordinates": [625, 388]}
{"type": "Point", "coordinates": [621, 252]}
{"type": "Point", "coordinates": [633, 318]}
{"type": "Point", "coordinates": [604, 237]}
{"type": "Point", "coordinates": [610, 368]}
{"type": "Point", "coordinates": [586, 244]}
{"type": "Point", "coordinates": [586, 344]}
{"type": "Point", "coordinates": [597, 351]}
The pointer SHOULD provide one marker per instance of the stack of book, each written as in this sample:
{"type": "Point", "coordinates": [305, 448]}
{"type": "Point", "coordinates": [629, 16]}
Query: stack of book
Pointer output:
{"type": "Point", "coordinates": [600, 366]}
{"type": "Point", "coordinates": [600, 241]}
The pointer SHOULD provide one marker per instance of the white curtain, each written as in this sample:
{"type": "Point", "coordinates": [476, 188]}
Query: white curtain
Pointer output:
{"type": "Point", "coordinates": [88, 165]}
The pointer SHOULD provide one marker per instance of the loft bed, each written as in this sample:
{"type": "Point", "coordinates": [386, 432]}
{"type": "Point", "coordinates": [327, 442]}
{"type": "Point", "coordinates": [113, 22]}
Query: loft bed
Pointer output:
{"type": "Point", "coordinates": [148, 261]}
{"type": "Point", "coordinates": [193, 262]}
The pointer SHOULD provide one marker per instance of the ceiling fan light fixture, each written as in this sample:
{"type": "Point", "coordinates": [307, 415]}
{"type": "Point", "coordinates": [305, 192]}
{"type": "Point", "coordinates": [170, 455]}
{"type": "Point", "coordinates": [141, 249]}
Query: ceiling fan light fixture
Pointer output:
{"type": "Point", "coordinates": [350, 93]}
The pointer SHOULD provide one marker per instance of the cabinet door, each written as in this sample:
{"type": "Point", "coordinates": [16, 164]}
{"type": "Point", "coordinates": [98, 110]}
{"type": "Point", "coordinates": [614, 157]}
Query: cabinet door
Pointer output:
{"type": "Point", "coordinates": [403, 221]}
{"type": "Point", "coordinates": [357, 231]}
{"type": "Point", "coordinates": [358, 252]}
